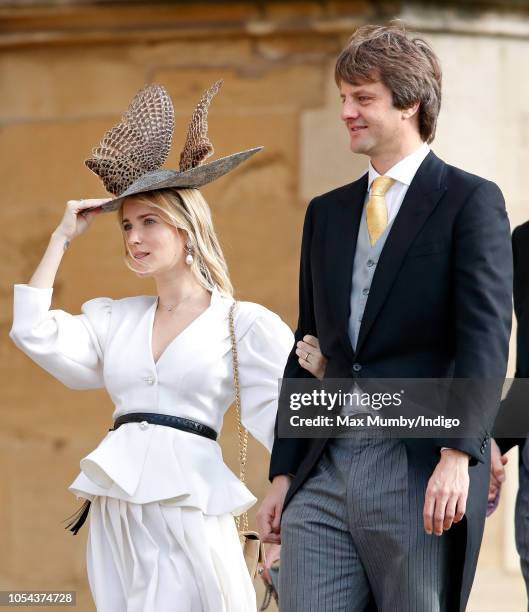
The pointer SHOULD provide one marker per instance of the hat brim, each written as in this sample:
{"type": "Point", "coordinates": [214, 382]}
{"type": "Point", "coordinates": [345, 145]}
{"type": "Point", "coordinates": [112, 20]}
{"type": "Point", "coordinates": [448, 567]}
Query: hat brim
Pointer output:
{"type": "Point", "coordinates": [190, 179]}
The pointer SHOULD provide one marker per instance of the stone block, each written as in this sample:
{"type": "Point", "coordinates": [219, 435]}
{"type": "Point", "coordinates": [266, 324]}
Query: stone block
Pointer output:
{"type": "Point", "coordinates": [299, 49]}
{"type": "Point", "coordinates": [198, 52]}
{"type": "Point", "coordinates": [40, 85]}
{"type": "Point", "coordinates": [255, 87]}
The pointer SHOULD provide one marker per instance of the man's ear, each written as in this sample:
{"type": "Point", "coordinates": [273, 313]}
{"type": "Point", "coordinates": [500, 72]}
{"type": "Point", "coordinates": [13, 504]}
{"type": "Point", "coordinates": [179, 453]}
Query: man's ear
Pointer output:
{"type": "Point", "coordinates": [407, 113]}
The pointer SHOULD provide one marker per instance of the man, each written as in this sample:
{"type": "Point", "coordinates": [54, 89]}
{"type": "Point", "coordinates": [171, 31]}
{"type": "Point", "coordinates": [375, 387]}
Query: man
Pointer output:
{"type": "Point", "coordinates": [405, 273]}
{"type": "Point", "coordinates": [513, 420]}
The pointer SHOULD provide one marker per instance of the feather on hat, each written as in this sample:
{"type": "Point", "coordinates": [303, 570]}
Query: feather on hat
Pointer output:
{"type": "Point", "coordinates": [129, 158]}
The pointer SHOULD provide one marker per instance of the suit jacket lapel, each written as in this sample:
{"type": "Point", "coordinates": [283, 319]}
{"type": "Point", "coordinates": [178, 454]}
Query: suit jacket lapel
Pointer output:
{"type": "Point", "coordinates": [422, 197]}
{"type": "Point", "coordinates": [341, 237]}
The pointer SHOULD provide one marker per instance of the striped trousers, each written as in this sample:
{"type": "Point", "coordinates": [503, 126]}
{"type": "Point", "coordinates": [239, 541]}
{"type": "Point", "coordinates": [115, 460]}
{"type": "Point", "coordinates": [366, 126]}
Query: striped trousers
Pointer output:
{"type": "Point", "coordinates": [353, 537]}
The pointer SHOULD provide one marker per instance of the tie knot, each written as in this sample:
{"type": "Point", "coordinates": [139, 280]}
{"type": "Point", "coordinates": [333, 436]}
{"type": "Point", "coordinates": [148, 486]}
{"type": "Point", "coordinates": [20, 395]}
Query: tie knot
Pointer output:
{"type": "Point", "coordinates": [381, 185]}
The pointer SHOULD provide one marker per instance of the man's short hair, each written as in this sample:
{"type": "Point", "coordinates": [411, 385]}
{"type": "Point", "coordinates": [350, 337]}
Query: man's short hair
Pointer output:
{"type": "Point", "coordinates": [408, 67]}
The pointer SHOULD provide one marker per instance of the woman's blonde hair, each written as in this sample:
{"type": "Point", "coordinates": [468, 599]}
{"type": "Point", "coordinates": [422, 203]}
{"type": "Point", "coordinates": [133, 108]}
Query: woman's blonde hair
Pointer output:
{"type": "Point", "coordinates": [187, 210]}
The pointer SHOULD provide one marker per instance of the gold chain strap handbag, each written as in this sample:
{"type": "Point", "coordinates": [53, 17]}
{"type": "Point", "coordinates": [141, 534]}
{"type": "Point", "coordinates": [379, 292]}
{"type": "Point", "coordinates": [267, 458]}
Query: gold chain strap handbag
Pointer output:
{"type": "Point", "coordinates": [253, 548]}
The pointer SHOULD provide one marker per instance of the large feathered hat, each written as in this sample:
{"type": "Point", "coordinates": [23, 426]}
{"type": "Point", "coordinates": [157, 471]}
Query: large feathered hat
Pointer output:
{"type": "Point", "coordinates": [130, 155]}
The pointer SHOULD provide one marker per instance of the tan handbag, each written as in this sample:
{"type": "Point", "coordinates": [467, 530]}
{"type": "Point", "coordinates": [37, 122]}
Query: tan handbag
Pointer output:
{"type": "Point", "coordinates": [253, 548]}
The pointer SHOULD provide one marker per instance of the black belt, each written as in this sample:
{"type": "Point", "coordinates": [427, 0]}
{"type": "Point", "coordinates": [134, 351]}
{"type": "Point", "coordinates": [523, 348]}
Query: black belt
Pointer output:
{"type": "Point", "coordinates": [169, 421]}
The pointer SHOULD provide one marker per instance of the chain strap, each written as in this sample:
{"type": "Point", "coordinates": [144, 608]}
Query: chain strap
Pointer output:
{"type": "Point", "coordinates": [242, 431]}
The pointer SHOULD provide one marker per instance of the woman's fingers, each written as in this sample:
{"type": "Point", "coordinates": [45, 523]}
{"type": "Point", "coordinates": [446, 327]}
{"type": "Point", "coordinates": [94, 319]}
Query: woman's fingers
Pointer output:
{"type": "Point", "coordinates": [306, 365]}
{"type": "Point", "coordinates": [308, 360]}
{"type": "Point", "coordinates": [78, 216]}
{"type": "Point", "coordinates": [310, 356]}
{"type": "Point", "coordinates": [312, 341]}
{"type": "Point", "coordinates": [305, 348]}
{"type": "Point", "coordinates": [77, 206]}
{"type": "Point", "coordinates": [94, 204]}
{"type": "Point", "coordinates": [302, 351]}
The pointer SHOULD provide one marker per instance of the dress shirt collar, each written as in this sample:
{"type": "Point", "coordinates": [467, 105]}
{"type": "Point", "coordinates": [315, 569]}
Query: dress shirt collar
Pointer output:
{"type": "Point", "coordinates": [404, 170]}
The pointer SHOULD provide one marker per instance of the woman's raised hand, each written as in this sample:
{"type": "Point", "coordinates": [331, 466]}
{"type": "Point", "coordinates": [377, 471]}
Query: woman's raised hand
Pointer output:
{"type": "Point", "coordinates": [75, 221]}
{"type": "Point", "coordinates": [310, 356]}
{"type": "Point", "coordinates": [78, 216]}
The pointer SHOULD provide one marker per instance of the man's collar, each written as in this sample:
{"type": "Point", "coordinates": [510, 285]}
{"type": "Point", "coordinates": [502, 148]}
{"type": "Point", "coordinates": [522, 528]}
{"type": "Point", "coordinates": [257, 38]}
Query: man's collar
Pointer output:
{"type": "Point", "coordinates": [404, 170]}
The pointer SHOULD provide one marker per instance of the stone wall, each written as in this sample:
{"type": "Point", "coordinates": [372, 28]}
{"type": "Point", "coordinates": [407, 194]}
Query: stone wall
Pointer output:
{"type": "Point", "coordinates": [67, 73]}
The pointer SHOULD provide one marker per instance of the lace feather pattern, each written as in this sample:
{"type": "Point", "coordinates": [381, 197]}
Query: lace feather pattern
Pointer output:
{"type": "Point", "coordinates": [139, 143]}
{"type": "Point", "coordinates": [197, 147]}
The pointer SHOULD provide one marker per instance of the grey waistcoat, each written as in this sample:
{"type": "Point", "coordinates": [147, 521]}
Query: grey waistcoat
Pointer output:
{"type": "Point", "coordinates": [364, 266]}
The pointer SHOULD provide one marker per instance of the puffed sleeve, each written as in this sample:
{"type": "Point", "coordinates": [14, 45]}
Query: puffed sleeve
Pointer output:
{"type": "Point", "coordinates": [262, 355]}
{"type": "Point", "coordinates": [69, 347]}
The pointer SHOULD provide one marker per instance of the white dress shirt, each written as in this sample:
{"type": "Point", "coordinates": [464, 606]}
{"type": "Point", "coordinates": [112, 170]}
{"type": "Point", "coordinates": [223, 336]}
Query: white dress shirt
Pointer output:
{"type": "Point", "coordinates": [403, 173]}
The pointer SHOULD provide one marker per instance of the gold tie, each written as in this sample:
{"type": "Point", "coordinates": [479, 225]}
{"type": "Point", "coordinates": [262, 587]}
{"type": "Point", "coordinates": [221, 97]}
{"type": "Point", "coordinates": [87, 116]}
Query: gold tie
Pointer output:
{"type": "Point", "coordinates": [377, 211]}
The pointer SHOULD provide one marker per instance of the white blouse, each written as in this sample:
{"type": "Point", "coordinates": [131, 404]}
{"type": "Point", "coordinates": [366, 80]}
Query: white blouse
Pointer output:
{"type": "Point", "coordinates": [110, 345]}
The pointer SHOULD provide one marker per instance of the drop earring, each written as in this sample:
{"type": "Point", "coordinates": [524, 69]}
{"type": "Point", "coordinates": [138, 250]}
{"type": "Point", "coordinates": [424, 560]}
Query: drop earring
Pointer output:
{"type": "Point", "coordinates": [189, 253]}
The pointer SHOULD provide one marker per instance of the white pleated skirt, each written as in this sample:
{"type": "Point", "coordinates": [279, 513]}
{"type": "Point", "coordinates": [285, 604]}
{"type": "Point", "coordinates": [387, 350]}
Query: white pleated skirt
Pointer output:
{"type": "Point", "coordinates": [161, 558]}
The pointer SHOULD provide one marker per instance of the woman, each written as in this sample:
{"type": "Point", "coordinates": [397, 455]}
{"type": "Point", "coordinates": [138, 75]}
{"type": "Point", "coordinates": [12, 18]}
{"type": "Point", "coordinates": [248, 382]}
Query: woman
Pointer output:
{"type": "Point", "coordinates": [161, 533]}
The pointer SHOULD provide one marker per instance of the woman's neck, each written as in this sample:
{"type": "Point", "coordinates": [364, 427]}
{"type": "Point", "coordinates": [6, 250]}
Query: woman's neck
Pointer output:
{"type": "Point", "coordinates": [175, 289]}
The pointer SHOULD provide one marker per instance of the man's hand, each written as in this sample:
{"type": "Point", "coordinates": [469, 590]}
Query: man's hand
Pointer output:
{"type": "Point", "coordinates": [269, 514]}
{"type": "Point", "coordinates": [446, 494]}
{"type": "Point", "coordinates": [497, 471]}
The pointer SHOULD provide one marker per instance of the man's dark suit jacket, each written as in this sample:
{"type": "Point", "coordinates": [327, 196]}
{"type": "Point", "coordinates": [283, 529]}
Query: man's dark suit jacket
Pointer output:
{"type": "Point", "coordinates": [439, 306]}
{"type": "Point", "coordinates": [513, 418]}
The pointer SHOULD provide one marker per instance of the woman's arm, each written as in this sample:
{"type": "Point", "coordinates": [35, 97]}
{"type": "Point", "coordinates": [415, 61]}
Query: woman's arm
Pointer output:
{"type": "Point", "coordinates": [74, 223]}
{"type": "Point", "coordinates": [69, 347]}
{"type": "Point", "coordinates": [262, 352]}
